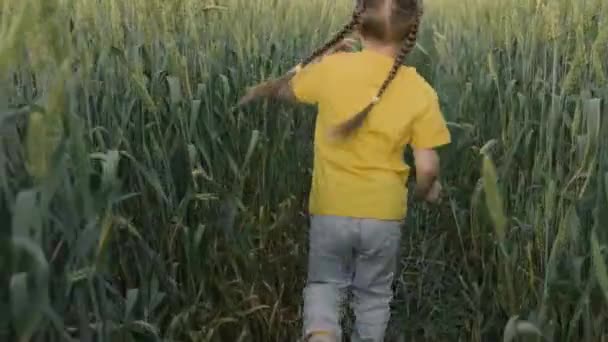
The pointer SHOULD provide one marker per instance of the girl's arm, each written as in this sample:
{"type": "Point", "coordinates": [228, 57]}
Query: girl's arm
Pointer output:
{"type": "Point", "coordinates": [427, 172]}
{"type": "Point", "coordinates": [429, 132]}
{"type": "Point", "coordinates": [280, 88]}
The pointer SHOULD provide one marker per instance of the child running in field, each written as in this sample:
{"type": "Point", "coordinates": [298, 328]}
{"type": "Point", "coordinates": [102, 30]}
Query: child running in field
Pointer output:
{"type": "Point", "coordinates": [370, 107]}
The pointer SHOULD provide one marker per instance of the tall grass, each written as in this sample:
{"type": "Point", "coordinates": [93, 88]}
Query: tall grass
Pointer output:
{"type": "Point", "coordinates": [137, 204]}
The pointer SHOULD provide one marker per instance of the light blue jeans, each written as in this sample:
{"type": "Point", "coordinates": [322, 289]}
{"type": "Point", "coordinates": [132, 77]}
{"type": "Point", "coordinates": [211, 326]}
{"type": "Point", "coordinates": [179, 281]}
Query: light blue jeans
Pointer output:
{"type": "Point", "coordinates": [351, 254]}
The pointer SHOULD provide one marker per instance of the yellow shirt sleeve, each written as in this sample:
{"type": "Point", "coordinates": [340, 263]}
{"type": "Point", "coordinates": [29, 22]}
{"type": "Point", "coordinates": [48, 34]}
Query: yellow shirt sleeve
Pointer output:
{"type": "Point", "coordinates": [306, 84]}
{"type": "Point", "coordinates": [430, 129]}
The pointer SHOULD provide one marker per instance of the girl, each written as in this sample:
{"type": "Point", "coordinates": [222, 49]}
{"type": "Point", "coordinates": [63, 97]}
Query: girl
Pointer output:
{"type": "Point", "coordinates": [358, 200]}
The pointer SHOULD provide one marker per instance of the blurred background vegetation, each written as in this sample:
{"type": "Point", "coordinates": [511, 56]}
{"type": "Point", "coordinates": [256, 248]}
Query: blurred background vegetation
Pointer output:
{"type": "Point", "coordinates": [136, 205]}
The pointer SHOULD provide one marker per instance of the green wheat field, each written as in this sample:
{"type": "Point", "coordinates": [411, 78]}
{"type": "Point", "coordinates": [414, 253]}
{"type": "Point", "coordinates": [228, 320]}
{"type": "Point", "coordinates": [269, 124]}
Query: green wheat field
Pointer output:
{"type": "Point", "coordinates": [137, 205]}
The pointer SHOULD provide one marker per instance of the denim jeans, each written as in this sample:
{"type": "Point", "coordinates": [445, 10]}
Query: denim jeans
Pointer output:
{"type": "Point", "coordinates": [350, 254]}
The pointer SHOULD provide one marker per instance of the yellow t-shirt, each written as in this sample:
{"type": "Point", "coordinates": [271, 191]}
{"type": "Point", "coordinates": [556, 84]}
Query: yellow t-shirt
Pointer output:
{"type": "Point", "coordinates": [365, 175]}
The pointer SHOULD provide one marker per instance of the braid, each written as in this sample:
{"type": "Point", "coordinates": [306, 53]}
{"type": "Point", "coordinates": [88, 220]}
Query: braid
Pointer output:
{"type": "Point", "coordinates": [349, 126]}
{"type": "Point", "coordinates": [349, 28]}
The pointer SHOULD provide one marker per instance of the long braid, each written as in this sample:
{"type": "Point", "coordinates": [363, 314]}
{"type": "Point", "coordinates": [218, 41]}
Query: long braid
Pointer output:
{"type": "Point", "coordinates": [346, 30]}
{"type": "Point", "coordinates": [349, 126]}
{"type": "Point", "coordinates": [272, 88]}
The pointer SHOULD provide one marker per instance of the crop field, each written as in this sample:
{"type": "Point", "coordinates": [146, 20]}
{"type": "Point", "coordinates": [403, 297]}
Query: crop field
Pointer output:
{"type": "Point", "coordinates": [136, 204]}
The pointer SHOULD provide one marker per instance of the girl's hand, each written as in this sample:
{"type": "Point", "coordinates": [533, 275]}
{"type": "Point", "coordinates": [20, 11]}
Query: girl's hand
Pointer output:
{"type": "Point", "coordinates": [346, 45]}
{"type": "Point", "coordinates": [434, 194]}
{"type": "Point", "coordinates": [279, 89]}
{"type": "Point", "coordinates": [250, 94]}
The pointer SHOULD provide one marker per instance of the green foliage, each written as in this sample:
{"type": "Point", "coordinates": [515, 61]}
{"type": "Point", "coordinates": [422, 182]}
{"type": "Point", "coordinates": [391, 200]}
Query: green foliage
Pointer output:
{"type": "Point", "coordinates": [137, 205]}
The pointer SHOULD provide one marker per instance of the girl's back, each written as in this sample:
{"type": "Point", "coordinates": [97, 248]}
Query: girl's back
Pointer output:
{"type": "Point", "coordinates": [364, 175]}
